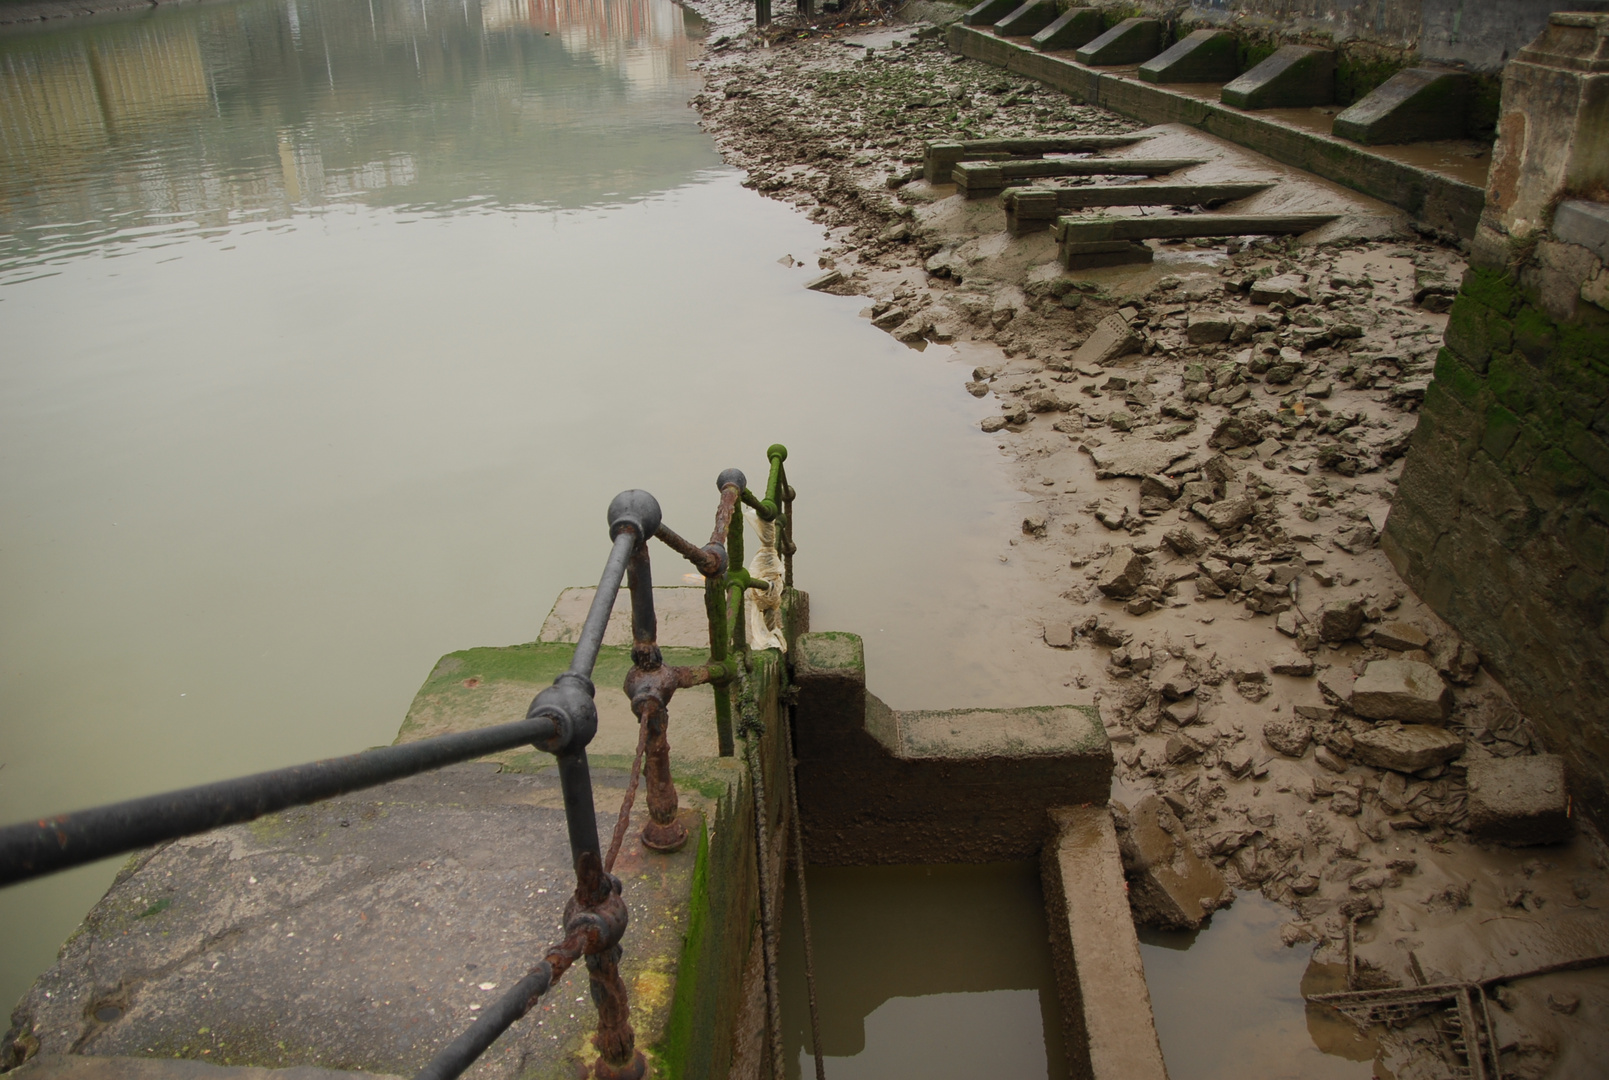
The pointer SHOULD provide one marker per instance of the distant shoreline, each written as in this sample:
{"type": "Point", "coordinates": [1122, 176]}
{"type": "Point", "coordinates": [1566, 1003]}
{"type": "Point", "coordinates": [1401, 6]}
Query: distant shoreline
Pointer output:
{"type": "Point", "coordinates": [23, 12]}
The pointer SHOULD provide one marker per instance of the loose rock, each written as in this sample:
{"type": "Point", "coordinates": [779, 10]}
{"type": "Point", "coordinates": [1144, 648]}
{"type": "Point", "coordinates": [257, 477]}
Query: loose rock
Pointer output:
{"type": "Point", "coordinates": [1519, 800]}
{"type": "Point", "coordinates": [1402, 690]}
{"type": "Point", "coordinates": [1407, 748]}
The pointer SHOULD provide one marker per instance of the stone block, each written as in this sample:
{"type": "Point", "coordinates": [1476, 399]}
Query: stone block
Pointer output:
{"type": "Point", "coordinates": [1340, 620]}
{"type": "Point", "coordinates": [1202, 56]}
{"type": "Point", "coordinates": [1400, 637]}
{"type": "Point", "coordinates": [1079, 256]}
{"type": "Point", "coordinates": [1406, 748]}
{"type": "Point", "coordinates": [1028, 19]}
{"type": "Point", "coordinates": [988, 12]}
{"type": "Point", "coordinates": [1577, 221]}
{"type": "Point", "coordinates": [1206, 327]}
{"type": "Point", "coordinates": [1073, 28]}
{"type": "Point", "coordinates": [1402, 690]}
{"type": "Point", "coordinates": [1294, 77]}
{"type": "Point", "coordinates": [1287, 289]}
{"type": "Point", "coordinates": [1414, 105]}
{"type": "Point", "coordinates": [1169, 885]}
{"type": "Point", "coordinates": [1098, 229]}
{"type": "Point", "coordinates": [1123, 573]}
{"type": "Point", "coordinates": [1112, 338]}
{"type": "Point", "coordinates": [1519, 800]}
{"type": "Point", "coordinates": [1289, 737]}
{"type": "Point", "coordinates": [1131, 41]}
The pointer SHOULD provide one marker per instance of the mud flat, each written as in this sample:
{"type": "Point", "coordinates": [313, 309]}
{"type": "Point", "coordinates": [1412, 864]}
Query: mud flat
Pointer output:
{"type": "Point", "coordinates": [1207, 446]}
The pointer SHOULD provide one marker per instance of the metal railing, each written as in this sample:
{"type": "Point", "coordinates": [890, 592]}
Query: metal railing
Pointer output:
{"type": "Point", "coordinates": [561, 720]}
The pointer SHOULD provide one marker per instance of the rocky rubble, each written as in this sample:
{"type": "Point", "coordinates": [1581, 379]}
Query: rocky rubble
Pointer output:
{"type": "Point", "coordinates": [1209, 447]}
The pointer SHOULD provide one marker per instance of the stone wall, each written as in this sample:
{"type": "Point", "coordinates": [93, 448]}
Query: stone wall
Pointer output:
{"type": "Point", "coordinates": [1479, 34]}
{"type": "Point", "coordinates": [1501, 520]}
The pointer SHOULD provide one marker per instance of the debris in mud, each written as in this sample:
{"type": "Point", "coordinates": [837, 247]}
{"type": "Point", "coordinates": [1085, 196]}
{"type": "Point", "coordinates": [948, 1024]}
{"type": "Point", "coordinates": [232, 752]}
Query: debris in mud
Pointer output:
{"type": "Point", "coordinates": [1209, 446]}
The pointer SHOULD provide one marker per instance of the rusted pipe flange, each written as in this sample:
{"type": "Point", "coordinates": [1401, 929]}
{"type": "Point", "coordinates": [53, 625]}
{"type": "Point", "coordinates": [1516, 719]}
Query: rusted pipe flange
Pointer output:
{"type": "Point", "coordinates": [665, 838]}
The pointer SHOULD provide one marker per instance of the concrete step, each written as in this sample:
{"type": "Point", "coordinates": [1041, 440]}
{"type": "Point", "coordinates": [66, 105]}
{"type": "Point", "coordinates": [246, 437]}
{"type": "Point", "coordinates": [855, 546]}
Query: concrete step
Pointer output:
{"type": "Point", "coordinates": [1132, 41]}
{"type": "Point", "coordinates": [1295, 77]}
{"type": "Point", "coordinates": [939, 158]}
{"type": "Point", "coordinates": [977, 180]}
{"type": "Point", "coordinates": [1073, 28]}
{"type": "Point", "coordinates": [1032, 209]}
{"type": "Point", "coordinates": [1198, 57]}
{"type": "Point", "coordinates": [1086, 230]}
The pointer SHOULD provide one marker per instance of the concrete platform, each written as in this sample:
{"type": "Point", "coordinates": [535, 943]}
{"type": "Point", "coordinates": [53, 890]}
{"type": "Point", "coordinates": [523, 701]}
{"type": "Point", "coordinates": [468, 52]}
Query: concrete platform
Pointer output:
{"type": "Point", "coordinates": [85, 1067]}
{"type": "Point", "coordinates": [361, 934]}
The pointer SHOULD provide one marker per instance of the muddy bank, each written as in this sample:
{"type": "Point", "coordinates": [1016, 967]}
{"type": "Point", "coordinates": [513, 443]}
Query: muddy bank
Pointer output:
{"type": "Point", "coordinates": [1210, 445]}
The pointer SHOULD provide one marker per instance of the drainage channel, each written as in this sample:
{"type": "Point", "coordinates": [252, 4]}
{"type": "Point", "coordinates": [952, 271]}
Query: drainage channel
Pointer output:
{"type": "Point", "coordinates": [933, 971]}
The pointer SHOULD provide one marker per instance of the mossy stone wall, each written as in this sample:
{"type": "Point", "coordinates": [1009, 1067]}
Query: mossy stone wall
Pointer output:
{"type": "Point", "coordinates": [1501, 520]}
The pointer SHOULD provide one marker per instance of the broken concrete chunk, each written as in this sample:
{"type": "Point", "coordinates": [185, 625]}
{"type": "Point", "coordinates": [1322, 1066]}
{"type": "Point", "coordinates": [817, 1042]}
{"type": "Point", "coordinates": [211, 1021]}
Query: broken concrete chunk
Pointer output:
{"type": "Point", "coordinates": [1181, 748]}
{"type": "Point", "coordinates": [1173, 680]}
{"type": "Point", "coordinates": [1332, 761]}
{"type": "Point", "coordinates": [1287, 289]}
{"type": "Point", "coordinates": [825, 281]}
{"type": "Point", "coordinates": [1182, 541]}
{"type": "Point", "coordinates": [1111, 339]}
{"type": "Point", "coordinates": [1134, 457]}
{"type": "Point", "coordinates": [1226, 515]}
{"type": "Point", "coordinates": [1123, 573]}
{"type": "Point", "coordinates": [1519, 800]}
{"type": "Point", "coordinates": [1402, 690]}
{"type": "Point", "coordinates": [1340, 620]}
{"type": "Point", "coordinates": [1208, 327]}
{"type": "Point", "coordinates": [1406, 748]}
{"type": "Point", "coordinates": [1059, 635]}
{"type": "Point", "coordinates": [1169, 886]}
{"type": "Point", "coordinates": [1292, 663]}
{"type": "Point", "coordinates": [1289, 737]}
{"type": "Point", "coordinates": [1400, 637]}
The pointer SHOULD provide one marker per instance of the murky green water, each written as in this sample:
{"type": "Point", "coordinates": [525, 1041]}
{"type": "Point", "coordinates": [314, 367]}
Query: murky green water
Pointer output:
{"type": "Point", "coordinates": [941, 972]}
{"type": "Point", "coordinates": [327, 330]}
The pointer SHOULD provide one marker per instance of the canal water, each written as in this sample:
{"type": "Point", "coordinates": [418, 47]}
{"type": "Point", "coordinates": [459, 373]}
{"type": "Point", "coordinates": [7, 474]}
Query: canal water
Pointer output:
{"type": "Point", "coordinates": [328, 328]}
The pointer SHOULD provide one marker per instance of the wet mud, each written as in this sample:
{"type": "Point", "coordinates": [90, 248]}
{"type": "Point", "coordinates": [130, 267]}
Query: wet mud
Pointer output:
{"type": "Point", "coordinates": [1207, 448]}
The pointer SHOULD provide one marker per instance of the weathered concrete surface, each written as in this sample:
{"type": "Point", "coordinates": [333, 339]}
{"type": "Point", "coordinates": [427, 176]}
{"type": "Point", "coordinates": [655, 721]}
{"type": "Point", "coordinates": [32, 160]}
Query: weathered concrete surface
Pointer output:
{"type": "Point", "coordinates": [882, 786]}
{"type": "Point", "coordinates": [1169, 886]}
{"type": "Point", "coordinates": [987, 12]}
{"type": "Point", "coordinates": [85, 1067]}
{"type": "Point", "coordinates": [1442, 199]}
{"type": "Point", "coordinates": [362, 933]}
{"type": "Point", "coordinates": [1129, 42]}
{"type": "Point", "coordinates": [1200, 56]}
{"type": "Point", "coordinates": [1295, 76]}
{"type": "Point", "coordinates": [1414, 105]}
{"type": "Point", "coordinates": [1519, 800]}
{"type": "Point", "coordinates": [1106, 1006]}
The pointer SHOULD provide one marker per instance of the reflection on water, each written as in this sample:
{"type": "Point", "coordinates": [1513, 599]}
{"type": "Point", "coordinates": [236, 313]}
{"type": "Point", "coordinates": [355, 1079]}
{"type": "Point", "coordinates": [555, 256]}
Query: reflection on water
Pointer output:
{"type": "Point", "coordinates": [128, 132]}
{"type": "Point", "coordinates": [930, 971]}
{"type": "Point", "coordinates": [1228, 1002]}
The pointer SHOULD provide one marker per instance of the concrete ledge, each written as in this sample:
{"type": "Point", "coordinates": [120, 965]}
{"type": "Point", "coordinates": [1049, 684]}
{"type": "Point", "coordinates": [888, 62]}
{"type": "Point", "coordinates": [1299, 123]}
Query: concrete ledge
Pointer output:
{"type": "Point", "coordinates": [1072, 28]}
{"type": "Point", "coordinates": [1296, 76]}
{"type": "Point", "coordinates": [1028, 19]}
{"type": "Point", "coordinates": [1414, 105]}
{"type": "Point", "coordinates": [1434, 199]}
{"type": "Point", "coordinates": [1203, 56]}
{"type": "Point", "coordinates": [1100, 979]}
{"type": "Point", "coordinates": [877, 786]}
{"type": "Point", "coordinates": [1129, 42]}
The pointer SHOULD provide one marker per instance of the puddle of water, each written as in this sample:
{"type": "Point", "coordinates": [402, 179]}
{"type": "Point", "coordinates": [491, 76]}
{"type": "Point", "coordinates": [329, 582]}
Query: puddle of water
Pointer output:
{"type": "Point", "coordinates": [933, 971]}
{"type": "Point", "coordinates": [1228, 1002]}
{"type": "Point", "coordinates": [331, 328]}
